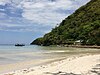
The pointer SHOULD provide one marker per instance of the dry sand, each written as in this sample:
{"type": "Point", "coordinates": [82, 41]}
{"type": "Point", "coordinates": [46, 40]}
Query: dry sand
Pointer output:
{"type": "Point", "coordinates": [76, 65]}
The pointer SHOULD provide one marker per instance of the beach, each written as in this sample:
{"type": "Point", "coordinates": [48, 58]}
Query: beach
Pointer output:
{"type": "Point", "coordinates": [40, 60]}
{"type": "Point", "coordinates": [75, 65]}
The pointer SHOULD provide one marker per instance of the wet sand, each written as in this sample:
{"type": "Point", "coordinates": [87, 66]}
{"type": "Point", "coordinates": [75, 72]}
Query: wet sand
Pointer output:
{"type": "Point", "coordinates": [26, 64]}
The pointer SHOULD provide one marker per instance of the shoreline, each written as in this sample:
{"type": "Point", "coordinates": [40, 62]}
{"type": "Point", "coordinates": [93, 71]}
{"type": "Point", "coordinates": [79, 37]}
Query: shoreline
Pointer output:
{"type": "Point", "coordinates": [79, 64]}
{"type": "Point", "coordinates": [26, 64]}
{"type": "Point", "coordinates": [80, 46]}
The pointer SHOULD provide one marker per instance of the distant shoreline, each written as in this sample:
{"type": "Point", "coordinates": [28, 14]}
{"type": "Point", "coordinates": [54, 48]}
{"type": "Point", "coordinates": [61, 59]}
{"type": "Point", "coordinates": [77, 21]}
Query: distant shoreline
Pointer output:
{"type": "Point", "coordinates": [98, 47]}
{"type": "Point", "coordinates": [82, 46]}
{"type": "Point", "coordinates": [75, 46]}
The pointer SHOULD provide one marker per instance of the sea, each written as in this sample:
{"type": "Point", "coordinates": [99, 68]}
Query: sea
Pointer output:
{"type": "Point", "coordinates": [10, 54]}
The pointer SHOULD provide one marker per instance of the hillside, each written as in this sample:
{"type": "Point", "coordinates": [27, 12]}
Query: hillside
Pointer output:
{"type": "Point", "coordinates": [83, 25]}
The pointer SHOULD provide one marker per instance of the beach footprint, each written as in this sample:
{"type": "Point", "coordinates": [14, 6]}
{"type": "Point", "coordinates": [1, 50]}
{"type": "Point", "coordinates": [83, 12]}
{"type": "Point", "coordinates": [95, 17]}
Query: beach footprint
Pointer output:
{"type": "Point", "coordinates": [96, 69]}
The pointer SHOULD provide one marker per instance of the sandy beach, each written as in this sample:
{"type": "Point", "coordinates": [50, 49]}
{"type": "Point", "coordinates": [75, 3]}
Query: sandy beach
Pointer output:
{"type": "Point", "coordinates": [75, 65]}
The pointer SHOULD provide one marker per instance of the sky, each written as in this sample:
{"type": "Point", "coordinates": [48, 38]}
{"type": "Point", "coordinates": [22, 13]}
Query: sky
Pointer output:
{"type": "Point", "coordinates": [22, 21]}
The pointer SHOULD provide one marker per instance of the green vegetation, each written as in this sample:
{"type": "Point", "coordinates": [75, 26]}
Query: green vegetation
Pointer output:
{"type": "Point", "coordinates": [82, 25]}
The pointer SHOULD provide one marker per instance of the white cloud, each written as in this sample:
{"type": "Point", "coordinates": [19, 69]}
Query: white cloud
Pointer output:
{"type": "Point", "coordinates": [38, 12]}
{"type": "Point", "coordinates": [45, 11]}
{"type": "Point", "coordinates": [3, 2]}
{"type": "Point", "coordinates": [47, 17]}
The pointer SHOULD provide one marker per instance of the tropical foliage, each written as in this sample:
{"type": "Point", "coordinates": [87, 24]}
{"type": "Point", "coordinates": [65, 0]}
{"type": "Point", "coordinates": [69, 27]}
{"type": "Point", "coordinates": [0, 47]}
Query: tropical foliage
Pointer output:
{"type": "Point", "coordinates": [82, 25]}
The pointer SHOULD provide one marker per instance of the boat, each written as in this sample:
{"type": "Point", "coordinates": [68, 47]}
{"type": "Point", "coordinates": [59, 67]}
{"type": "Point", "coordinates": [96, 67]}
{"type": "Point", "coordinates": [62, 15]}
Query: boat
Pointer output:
{"type": "Point", "coordinates": [19, 44]}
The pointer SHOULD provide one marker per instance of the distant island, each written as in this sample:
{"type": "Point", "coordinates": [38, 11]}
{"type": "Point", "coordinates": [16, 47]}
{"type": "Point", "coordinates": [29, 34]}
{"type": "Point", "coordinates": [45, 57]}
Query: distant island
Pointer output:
{"type": "Point", "coordinates": [80, 28]}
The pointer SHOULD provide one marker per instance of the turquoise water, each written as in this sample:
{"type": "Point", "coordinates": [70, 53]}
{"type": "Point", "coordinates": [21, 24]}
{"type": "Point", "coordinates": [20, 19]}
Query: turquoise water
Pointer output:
{"type": "Point", "coordinates": [12, 54]}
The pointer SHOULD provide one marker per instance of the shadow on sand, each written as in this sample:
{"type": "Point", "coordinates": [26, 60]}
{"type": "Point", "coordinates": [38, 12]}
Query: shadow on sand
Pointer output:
{"type": "Point", "coordinates": [96, 69]}
{"type": "Point", "coordinates": [61, 73]}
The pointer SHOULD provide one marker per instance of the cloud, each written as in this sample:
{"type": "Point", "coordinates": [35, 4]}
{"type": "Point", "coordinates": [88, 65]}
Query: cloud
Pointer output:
{"type": "Point", "coordinates": [45, 11]}
{"type": "Point", "coordinates": [35, 15]}
{"type": "Point", "coordinates": [3, 2]}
